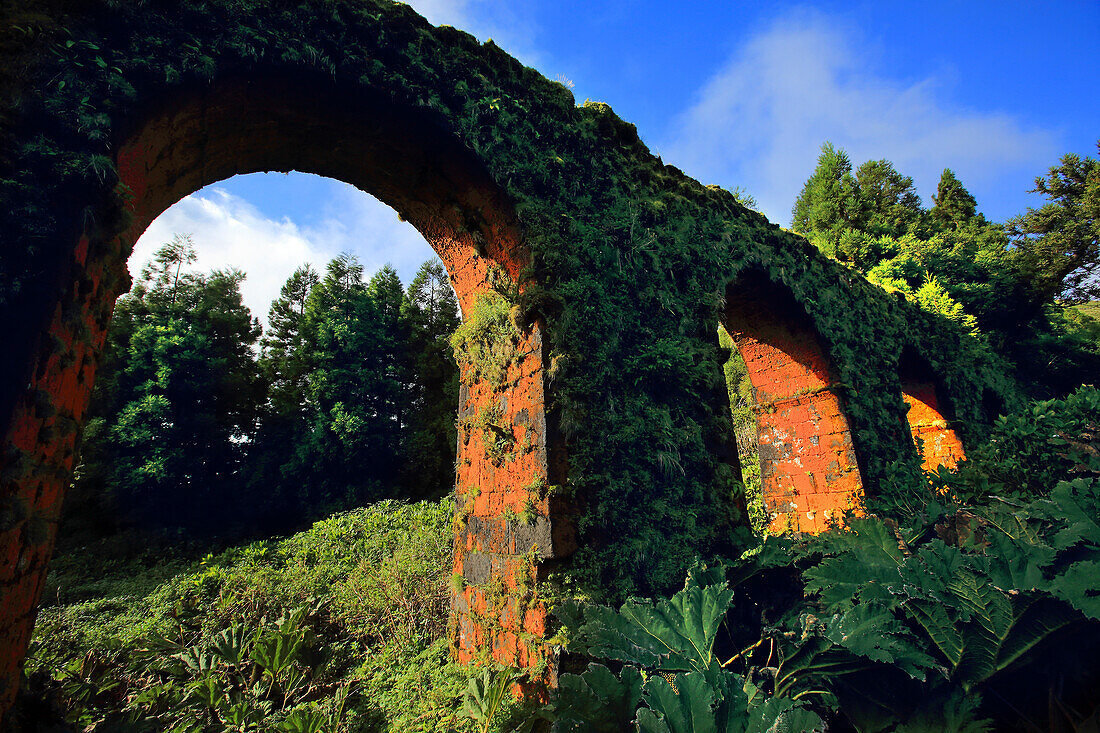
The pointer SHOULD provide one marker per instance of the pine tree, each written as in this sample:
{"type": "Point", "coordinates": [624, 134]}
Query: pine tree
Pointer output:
{"type": "Point", "coordinates": [890, 202]}
{"type": "Point", "coordinates": [954, 206]}
{"type": "Point", "coordinates": [1057, 246]}
{"type": "Point", "coordinates": [179, 400]}
{"type": "Point", "coordinates": [829, 204]}
{"type": "Point", "coordinates": [430, 435]}
{"type": "Point", "coordinates": [350, 451]}
{"type": "Point", "coordinates": [284, 359]}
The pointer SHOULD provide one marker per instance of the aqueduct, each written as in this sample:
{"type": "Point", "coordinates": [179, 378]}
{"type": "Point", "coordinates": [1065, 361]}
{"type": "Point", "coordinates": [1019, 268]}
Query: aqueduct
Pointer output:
{"type": "Point", "coordinates": [618, 267]}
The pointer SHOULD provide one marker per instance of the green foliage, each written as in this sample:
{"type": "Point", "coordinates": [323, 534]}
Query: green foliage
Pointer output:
{"type": "Point", "coordinates": [954, 206]}
{"type": "Point", "coordinates": [621, 254]}
{"type": "Point", "coordinates": [177, 397]}
{"type": "Point", "coordinates": [739, 389]}
{"type": "Point", "coordinates": [429, 435]}
{"type": "Point", "coordinates": [486, 341]}
{"type": "Point", "coordinates": [997, 281]}
{"type": "Point", "coordinates": [486, 697]}
{"type": "Point", "coordinates": [669, 645]}
{"type": "Point", "coordinates": [1031, 450]}
{"type": "Point", "coordinates": [829, 203]}
{"type": "Point", "coordinates": [338, 628]}
{"type": "Point", "coordinates": [926, 623]}
{"type": "Point", "coordinates": [1057, 246]}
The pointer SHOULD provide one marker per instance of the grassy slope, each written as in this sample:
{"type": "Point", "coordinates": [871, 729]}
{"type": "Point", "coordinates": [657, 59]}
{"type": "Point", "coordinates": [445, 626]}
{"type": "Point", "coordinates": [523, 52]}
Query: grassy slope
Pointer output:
{"type": "Point", "coordinates": [1092, 309]}
{"type": "Point", "coordinates": [375, 585]}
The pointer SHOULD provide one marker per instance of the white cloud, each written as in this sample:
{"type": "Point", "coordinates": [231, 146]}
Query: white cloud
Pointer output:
{"type": "Point", "coordinates": [760, 122]}
{"type": "Point", "coordinates": [230, 232]}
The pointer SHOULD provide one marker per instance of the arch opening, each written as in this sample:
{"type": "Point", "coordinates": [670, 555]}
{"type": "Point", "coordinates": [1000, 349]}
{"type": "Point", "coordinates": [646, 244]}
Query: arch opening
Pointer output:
{"type": "Point", "coordinates": [930, 415]}
{"type": "Point", "coordinates": [809, 475]}
{"type": "Point", "coordinates": [408, 160]}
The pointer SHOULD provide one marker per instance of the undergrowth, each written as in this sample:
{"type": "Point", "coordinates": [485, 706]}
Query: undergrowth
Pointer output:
{"type": "Point", "coordinates": [972, 609]}
{"type": "Point", "coordinates": [342, 627]}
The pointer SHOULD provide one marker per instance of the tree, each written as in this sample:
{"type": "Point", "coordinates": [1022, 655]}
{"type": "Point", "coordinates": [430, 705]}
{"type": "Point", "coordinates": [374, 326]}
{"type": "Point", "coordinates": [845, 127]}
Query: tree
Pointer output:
{"type": "Point", "coordinates": [283, 359]}
{"type": "Point", "coordinates": [178, 403]}
{"type": "Point", "coordinates": [1009, 284]}
{"type": "Point", "coordinates": [954, 206]}
{"type": "Point", "coordinates": [350, 450]}
{"type": "Point", "coordinates": [890, 202]}
{"type": "Point", "coordinates": [1058, 245]}
{"type": "Point", "coordinates": [829, 204]}
{"type": "Point", "coordinates": [430, 438]}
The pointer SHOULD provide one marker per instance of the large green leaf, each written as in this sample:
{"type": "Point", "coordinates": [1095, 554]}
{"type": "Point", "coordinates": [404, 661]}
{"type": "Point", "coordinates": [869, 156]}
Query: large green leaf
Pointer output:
{"type": "Point", "coordinates": [957, 713]}
{"type": "Point", "coordinates": [1078, 587]}
{"type": "Point", "coordinates": [1036, 617]}
{"type": "Point", "coordinates": [873, 632]}
{"type": "Point", "coordinates": [597, 701]}
{"type": "Point", "coordinates": [485, 694]}
{"type": "Point", "coordinates": [674, 635]}
{"type": "Point", "coordinates": [1015, 565]}
{"type": "Point", "coordinates": [864, 570]}
{"type": "Point", "coordinates": [989, 613]}
{"type": "Point", "coordinates": [781, 715]}
{"type": "Point", "coordinates": [941, 626]}
{"type": "Point", "coordinates": [1077, 504]}
{"type": "Point", "coordinates": [684, 706]}
{"type": "Point", "coordinates": [931, 570]}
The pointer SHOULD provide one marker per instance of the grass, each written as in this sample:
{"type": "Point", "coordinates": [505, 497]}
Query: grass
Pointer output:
{"type": "Point", "coordinates": [167, 638]}
{"type": "Point", "coordinates": [1090, 309]}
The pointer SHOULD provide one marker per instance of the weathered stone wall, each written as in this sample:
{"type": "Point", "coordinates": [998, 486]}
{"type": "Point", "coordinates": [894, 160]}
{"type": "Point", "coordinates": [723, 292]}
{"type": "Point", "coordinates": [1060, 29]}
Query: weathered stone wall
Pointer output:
{"type": "Point", "coordinates": [616, 258]}
{"type": "Point", "coordinates": [505, 525]}
{"type": "Point", "coordinates": [200, 138]}
{"type": "Point", "coordinates": [40, 447]}
{"type": "Point", "coordinates": [937, 441]}
{"type": "Point", "coordinates": [808, 468]}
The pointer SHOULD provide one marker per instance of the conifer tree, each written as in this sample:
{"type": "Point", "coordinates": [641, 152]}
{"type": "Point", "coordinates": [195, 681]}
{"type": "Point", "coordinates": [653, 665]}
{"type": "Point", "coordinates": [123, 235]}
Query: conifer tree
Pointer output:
{"type": "Point", "coordinates": [954, 206]}
{"type": "Point", "coordinates": [430, 437]}
{"type": "Point", "coordinates": [178, 400]}
{"type": "Point", "coordinates": [890, 202]}
{"type": "Point", "coordinates": [283, 359]}
{"type": "Point", "coordinates": [1057, 246]}
{"type": "Point", "coordinates": [829, 204]}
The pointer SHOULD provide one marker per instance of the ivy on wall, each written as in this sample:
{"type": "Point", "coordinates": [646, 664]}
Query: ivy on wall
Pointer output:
{"type": "Point", "coordinates": [630, 257]}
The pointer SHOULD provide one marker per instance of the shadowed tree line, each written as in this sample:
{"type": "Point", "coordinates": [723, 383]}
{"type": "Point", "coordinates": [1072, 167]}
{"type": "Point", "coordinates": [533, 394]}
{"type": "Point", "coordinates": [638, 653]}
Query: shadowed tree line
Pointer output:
{"type": "Point", "coordinates": [348, 399]}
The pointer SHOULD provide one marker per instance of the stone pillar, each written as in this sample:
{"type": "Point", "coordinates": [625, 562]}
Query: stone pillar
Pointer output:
{"type": "Point", "coordinates": [506, 523]}
{"type": "Point", "coordinates": [39, 450]}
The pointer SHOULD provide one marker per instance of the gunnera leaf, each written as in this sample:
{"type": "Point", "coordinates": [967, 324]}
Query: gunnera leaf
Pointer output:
{"type": "Point", "coordinates": [597, 701]}
{"type": "Point", "coordinates": [683, 706]}
{"type": "Point", "coordinates": [674, 636]}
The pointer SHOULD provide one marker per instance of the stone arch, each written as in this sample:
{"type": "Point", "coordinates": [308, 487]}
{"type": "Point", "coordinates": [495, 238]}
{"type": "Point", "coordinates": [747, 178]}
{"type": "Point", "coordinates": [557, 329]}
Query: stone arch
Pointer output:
{"type": "Point", "coordinates": [931, 415]}
{"type": "Point", "coordinates": [808, 466]}
{"type": "Point", "coordinates": [404, 156]}
{"type": "Point", "coordinates": [614, 233]}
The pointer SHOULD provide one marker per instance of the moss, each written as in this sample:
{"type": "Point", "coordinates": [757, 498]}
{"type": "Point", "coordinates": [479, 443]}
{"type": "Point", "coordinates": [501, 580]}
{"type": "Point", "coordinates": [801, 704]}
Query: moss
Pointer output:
{"type": "Point", "coordinates": [628, 257]}
{"type": "Point", "coordinates": [485, 344]}
{"type": "Point", "coordinates": [529, 513]}
{"type": "Point", "coordinates": [497, 437]}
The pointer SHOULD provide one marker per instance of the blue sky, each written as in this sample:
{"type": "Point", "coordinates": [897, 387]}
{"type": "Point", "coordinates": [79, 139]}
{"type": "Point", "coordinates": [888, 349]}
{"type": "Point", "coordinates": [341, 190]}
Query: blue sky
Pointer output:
{"type": "Point", "coordinates": [738, 94]}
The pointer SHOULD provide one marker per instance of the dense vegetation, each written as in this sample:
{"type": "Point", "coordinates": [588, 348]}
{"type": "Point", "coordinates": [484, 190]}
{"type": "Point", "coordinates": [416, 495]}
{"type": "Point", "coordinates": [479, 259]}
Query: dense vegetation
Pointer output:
{"type": "Point", "coordinates": [973, 609]}
{"type": "Point", "coordinates": [349, 401]}
{"type": "Point", "coordinates": [972, 584]}
{"type": "Point", "coordinates": [342, 627]}
{"type": "Point", "coordinates": [1008, 283]}
{"type": "Point", "coordinates": [626, 258]}
{"type": "Point", "coordinates": [613, 233]}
